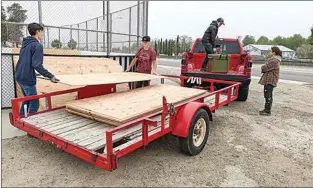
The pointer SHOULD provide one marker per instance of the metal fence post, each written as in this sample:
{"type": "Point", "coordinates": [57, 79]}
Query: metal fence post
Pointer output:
{"type": "Point", "coordinates": [143, 18]}
{"type": "Point", "coordinates": [60, 44]}
{"type": "Point", "coordinates": [71, 36]}
{"type": "Point", "coordinates": [130, 27]}
{"type": "Point", "coordinates": [97, 36]}
{"type": "Point", "coordinates": [48, 36]}
{"type": "Point", "coordinates": [103, 18]}
{"type": "Point", "coordinates": [111, 30]}
{"type": "Point", "coordinates": [147, 16]}
{"type": "Point", "coordinates": [40, 15]}
{"type": "Point", "coordinates": [108, 34]}
{"type": "Point", "coordinates": [78, 36]}
{"type": "Point", "coordinates": [87, 36]}
{"type": "Point", "coordinates": [138, 20]}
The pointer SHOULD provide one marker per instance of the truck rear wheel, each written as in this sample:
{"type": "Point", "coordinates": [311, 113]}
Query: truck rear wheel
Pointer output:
{"type": "Point", "coordinates": [243, 93]}
{"type": "Point", "coordinates": [198, 134]}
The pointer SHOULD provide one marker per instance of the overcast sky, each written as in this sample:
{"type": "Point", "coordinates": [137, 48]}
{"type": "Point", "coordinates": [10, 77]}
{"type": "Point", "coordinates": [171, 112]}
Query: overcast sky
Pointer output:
{"type": "Point", "coordinates": [285, 18]}
{"type": "Point", "coordinates": [170, 18]}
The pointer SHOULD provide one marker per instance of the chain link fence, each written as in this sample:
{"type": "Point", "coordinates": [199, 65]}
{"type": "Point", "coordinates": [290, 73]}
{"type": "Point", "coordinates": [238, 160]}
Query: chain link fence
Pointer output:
{"type": "Point", "coordinates": [71, 28]}
{"type": "Point", "coordinates": [89, 26]}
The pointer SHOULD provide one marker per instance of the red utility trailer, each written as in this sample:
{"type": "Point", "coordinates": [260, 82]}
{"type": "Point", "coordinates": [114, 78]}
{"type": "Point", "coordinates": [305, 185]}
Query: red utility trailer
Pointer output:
{"type": "Point", "coordinates": [102, 145]}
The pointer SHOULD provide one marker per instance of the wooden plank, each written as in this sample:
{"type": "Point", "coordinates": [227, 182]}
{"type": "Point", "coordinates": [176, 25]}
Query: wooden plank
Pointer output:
{"type": "Point", "coordinates": [64, 123]}
{"type": "Point", "coordinates": [67, 66]}
{"type": "Point", "coordinates": [42, 115]}
{"type": "Point", "coordinates": [73, 125]}
{"type": "Point", "coordinates": [87, 133]}
{"type": "Point", "coordinates": [67, 119]}
{"type": "Point", "coordinates": [91, 137]}
{"type": "Point", "coordinates": [43, 119]}
{"type": "Point", "coordinates": [60, 119]}
{"type": "Point", "coordinates": [75, 128]}
{"type": "Point", "coordinates": [106, 78]}
{"type": "Point", "coordinates": [118, 108]}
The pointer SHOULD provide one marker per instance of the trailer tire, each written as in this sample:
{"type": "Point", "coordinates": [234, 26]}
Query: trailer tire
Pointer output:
{"type": "Point", "coordinates": [243, 93]}
{"type": "Point", "coordinates": [200, 124]}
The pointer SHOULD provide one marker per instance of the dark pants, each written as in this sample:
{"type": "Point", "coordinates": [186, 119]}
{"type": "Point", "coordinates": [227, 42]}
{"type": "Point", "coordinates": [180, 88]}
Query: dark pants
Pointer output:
{"type": "Point", "coordinates": [208, 50]}
{"type": "Point", "coordinates": [268, 95]}
{"type": "Point", "coordinates": [33, 105]}
{"type": "Point", "coordinates": [141, 84]}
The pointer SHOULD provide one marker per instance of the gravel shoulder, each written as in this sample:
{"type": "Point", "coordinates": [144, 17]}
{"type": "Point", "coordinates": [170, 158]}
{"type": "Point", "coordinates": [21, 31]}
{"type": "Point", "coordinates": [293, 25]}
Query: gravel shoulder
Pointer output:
{"type": "Point", "coordinates": [244, 149]}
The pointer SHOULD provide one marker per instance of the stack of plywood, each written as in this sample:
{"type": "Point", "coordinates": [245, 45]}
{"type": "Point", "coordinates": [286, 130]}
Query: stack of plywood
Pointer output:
{"type": "Point", "coordinates": [118, 108]}
{"type": "Point", "coordinates": [105, 78]}
{"type": "Point", "coordinates": [71, 65]}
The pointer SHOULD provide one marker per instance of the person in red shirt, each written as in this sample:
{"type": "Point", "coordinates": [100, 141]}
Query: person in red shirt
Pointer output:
{"type": "Point", "coordinates": [146, 61]}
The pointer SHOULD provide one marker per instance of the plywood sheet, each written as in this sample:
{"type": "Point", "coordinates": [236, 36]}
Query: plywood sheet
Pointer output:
{"type": "Point", "coordinates": [68, 66]}
{"type": "Point", "coordinates": [107, 78]}
{"type": "Point", "coordinates": [118, 108]}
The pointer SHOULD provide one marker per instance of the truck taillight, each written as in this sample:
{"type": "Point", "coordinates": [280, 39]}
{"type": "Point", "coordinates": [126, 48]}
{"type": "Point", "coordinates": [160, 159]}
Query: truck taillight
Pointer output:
{"type": "Point", "coordinates": [183, 61]}
{"type": "Point", "coordinates": [250, 63]}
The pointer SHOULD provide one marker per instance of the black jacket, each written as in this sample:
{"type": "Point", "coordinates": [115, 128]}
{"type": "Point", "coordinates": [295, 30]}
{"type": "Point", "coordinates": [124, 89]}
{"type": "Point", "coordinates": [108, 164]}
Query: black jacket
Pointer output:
{"type": "Point", "coordinates": [210, 34]}
{"type": "Point", "coordinates": [31, 59]}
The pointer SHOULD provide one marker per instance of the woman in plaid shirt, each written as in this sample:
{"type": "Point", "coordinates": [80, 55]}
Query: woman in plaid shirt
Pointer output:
{"type": "Point", "coordinates": [270, 78]}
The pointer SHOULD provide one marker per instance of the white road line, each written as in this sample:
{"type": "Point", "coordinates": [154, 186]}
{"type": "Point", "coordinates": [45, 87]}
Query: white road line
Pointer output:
{"type": "Point", "coordinates": [168, 67]}
{"type": "Point", "coordinates": [283, 81]}
{"type": "Point", "coordinates": [253, 77]}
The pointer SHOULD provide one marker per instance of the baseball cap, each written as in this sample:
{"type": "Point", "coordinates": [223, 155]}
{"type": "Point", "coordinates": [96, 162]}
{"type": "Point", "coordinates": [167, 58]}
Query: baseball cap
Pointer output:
{"type": "Point", "coordinates": [221, 20]}
{"type": "Point", "coordinates": [146, 39]}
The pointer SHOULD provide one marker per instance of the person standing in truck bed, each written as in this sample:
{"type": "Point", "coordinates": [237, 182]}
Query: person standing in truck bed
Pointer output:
{"type": "Point", "coordinates": [270, 78]}
{"type": "Point", "coordinates": [31, 59]}
{"type": "Point", "coordinates": [208, 40]}
{"type": "Point", "coordinates": [146, 61]}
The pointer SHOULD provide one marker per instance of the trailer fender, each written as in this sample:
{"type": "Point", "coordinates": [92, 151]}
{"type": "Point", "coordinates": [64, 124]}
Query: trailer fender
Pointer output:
{"type": "Point", "coordinates": [184, 118]}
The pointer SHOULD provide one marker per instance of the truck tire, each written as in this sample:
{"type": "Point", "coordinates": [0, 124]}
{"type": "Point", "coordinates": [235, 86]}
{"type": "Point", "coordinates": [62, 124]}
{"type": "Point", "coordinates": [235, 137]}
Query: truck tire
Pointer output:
{"type": "Point", "coordinates": [243, 93]}
{"type": "Point", "coordinates": [198, 134]}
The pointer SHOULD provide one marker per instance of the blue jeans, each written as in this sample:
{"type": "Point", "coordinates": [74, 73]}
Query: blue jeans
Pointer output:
{"type": "Point", "coordinates": [33, 105]}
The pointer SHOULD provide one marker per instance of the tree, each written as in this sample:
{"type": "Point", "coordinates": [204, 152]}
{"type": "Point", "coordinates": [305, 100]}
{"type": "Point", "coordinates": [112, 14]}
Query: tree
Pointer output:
{"type": "Point", "coordinates": [16, 13]}
{"type": "Point", "coordinates": [279, 41]}
{"type": "Point", "coordinates": [248, 40]}
{"type": "Point", "coordinates": [310, 39]}
{"type": "Point", "coordinates": [305, 51]}
{"type": "Point", "coordinates": [177, 45]}
{"type": "Point", "coordinates": [56, 44]}
{"type": "Point", "coordinates": [295, 41]}
{"type": "Point", "coordinates": [72, 44]}
{"type": "Point", "coordinates": [262, 40]}
{"type": "Point", "coordinates": [4, 36]}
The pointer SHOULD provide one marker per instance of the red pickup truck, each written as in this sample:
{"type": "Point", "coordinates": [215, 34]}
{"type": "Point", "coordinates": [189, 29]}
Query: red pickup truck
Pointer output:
{"type": "Point", "coordinates": [240, 64]}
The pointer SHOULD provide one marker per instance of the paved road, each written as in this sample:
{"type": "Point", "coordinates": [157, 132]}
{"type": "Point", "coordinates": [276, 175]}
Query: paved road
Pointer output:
{"type": "Point", "coordinates": [300, 74]}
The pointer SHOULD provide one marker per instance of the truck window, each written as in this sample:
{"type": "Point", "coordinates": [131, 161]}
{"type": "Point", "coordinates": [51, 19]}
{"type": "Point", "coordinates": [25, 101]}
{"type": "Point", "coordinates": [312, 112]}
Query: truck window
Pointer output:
{"type": "Point", "coordinates": [228, 47]}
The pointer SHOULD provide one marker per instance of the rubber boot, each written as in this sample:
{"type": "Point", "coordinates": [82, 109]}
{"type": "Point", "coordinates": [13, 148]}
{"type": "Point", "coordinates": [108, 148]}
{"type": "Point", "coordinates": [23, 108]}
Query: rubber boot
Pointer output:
{"type": "Point", "coordinates": [267, 110]}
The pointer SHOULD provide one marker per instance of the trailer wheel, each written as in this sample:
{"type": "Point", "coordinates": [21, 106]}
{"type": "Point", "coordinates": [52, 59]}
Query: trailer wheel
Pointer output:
{"type": "Point", "coordinates": [243, 93]}
{"type": "Point", "coordinates": [198, 134]}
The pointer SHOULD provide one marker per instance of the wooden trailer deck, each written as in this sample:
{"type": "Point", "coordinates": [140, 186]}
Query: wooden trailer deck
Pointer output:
{"type": "Point", "coordinates": [90, 134]}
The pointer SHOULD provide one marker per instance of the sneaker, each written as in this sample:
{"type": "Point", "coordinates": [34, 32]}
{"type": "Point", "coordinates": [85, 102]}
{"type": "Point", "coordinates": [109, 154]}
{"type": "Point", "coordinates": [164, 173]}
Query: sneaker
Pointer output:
{"type": "Point", "coordinates": [265, 113]}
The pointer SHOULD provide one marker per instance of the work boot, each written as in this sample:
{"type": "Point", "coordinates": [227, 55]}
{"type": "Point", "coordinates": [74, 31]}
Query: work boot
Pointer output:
{"type": "Point", "coordinates": [265, 112]}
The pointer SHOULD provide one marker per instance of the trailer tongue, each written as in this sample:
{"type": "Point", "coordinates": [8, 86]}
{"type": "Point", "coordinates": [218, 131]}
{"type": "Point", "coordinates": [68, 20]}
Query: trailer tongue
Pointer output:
{"type": "Point", "coordinates": [101, 144]}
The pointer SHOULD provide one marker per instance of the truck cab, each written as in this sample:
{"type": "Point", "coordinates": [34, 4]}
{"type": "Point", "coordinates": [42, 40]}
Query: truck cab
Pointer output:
{"type": "Point", "coordinates": [239, 69]}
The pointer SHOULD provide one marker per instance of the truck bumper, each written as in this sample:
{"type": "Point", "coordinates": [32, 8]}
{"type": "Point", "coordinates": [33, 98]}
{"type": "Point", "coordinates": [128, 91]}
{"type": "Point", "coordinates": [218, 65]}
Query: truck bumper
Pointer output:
{"type": "Point", "coordinates": [236, 78]}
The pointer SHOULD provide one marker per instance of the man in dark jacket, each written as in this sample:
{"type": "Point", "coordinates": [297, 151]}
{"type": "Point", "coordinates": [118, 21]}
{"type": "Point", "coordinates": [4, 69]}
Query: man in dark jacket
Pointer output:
{"type": "Point", "coordinates": [31, 59]}
{"type": "Point", "coordinates": [208, 39]}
